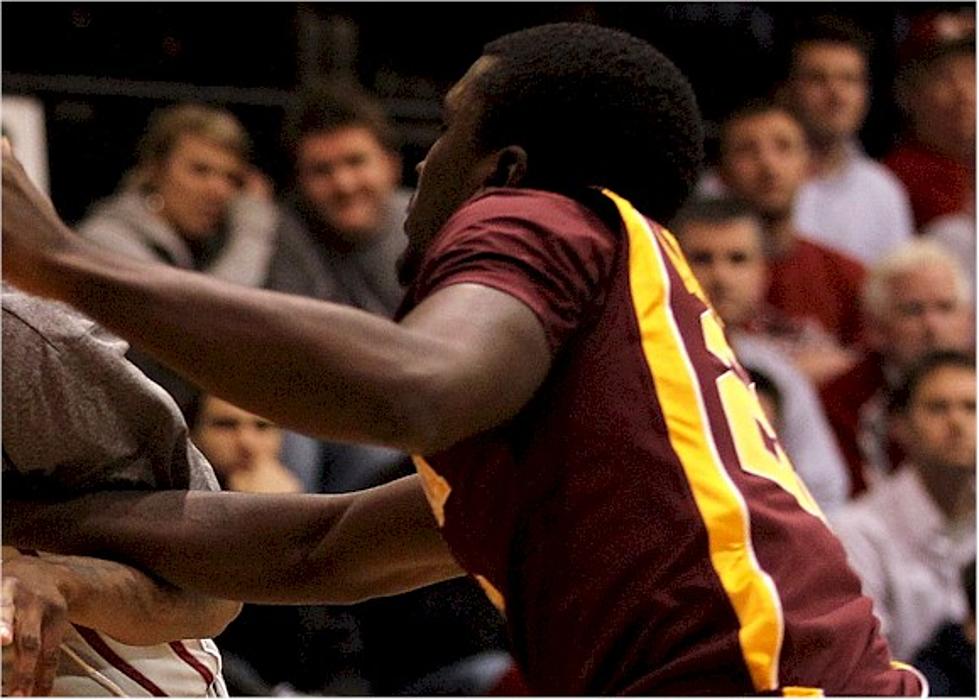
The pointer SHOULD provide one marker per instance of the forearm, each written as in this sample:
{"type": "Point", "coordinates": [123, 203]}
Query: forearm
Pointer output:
{"type": "Point", "coordinates": [315, 367]}
{"type": "Point", "coordinates": [260, 548]}
{"type": "Point", "coordinates": [131, 607]}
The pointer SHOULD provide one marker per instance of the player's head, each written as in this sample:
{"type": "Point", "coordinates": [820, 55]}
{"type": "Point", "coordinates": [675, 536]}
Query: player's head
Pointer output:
{"type": "Point", "coordinates": [346, 159]}
{"type": "Point", "coordinates": [191, 160]}
{"type": "Point", "coordinates": [561, 107]}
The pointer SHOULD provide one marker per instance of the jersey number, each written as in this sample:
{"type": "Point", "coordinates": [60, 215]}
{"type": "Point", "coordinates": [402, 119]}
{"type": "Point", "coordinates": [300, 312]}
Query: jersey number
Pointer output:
{"type": "Point", "coordinates": [758, 449]}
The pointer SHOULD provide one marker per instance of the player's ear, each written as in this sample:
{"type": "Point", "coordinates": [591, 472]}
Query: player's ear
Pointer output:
{"type": "Point", "coordinates": [510, 168]}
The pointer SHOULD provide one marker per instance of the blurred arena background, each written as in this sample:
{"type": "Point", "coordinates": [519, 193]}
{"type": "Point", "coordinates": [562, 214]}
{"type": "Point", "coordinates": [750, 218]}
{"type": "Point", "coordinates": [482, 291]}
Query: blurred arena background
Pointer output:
{"type": "Point", "coordinates": [93, 72]}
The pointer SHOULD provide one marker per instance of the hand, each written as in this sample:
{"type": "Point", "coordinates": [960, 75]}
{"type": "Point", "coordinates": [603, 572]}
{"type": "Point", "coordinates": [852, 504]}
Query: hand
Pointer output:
{"type": "Point", "coordinates": [33, 621]}
{"type": "Point", "coordinates": [33, 233]}
{"type": "Point", "coordinates": [822, 364]}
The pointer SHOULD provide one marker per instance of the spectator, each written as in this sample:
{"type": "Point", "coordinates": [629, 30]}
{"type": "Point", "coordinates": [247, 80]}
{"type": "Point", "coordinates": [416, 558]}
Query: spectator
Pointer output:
{"type": "Point", "coordinates": [340, 234]}
{"type": "Point", "coordinates": [347, 207]}
{"type": "Point", "coordinates": [311, 649]}
{"type": "Point", "coordinates": [909, 538]}
{"type": "Point", "coordinates": [77, 417]}
{"type": "Point", "coordinates": [243, 448]}
{"type": "Point", "coordinates": [850, 202]}
{"type": "Point", "coordinates": [723, 242]}
{"type": "Point", "coordinates": [184, 204]}
{"type": "Point", "coordinates": [957, 234]}
{"type": "Point", "coordinates": [917, 300]}
{"type": "Point", "coordinates": [936, 89]}
{"type": "Point", "coordinates": [764, 160]}
{"type": "Point", "coordinates": [346, 204]}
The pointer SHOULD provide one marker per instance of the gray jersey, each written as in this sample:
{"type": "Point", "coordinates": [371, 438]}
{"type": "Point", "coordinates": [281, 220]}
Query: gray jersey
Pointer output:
{"type": "Point", "coordinates": [77, 416]}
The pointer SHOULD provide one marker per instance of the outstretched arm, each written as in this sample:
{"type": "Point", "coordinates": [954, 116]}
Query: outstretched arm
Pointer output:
{"type": "Point", "coordinates": [467, 359]}
{"type": "Point", "coordinates": [253, 547]}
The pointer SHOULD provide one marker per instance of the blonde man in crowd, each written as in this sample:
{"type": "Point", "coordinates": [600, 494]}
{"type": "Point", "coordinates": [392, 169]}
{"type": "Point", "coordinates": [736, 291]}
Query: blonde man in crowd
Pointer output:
{"type": "Point", "coordinates": [190, 201]}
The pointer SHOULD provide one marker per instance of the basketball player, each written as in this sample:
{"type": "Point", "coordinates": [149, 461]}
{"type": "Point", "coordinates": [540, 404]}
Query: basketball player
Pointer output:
{"type": "Point", "coordinates": [591, 450]}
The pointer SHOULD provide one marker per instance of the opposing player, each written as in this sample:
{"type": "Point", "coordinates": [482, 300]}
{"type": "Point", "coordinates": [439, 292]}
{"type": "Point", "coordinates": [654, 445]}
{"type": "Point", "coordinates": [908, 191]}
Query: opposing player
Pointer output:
{"type": "Point", "coordinates": [590, 448]}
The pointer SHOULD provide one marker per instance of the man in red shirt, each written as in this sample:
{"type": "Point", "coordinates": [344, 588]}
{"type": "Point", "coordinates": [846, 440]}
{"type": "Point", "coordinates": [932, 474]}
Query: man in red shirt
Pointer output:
{"type": "Point", "coordinates": [588, 444]}
{"type": "Point", "coordinates": [764, 160]}
{"type": "Point", "coordinates": [936, 88]}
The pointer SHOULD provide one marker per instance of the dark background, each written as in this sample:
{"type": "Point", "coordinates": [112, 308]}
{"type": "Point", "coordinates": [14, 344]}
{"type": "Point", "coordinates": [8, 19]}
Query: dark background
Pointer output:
{"type": "Point", "coordinates": [101, 68]}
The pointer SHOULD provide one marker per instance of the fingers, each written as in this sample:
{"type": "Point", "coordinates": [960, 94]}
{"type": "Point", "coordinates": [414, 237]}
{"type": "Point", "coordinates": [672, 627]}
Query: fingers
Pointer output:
{"type": "Point", "coordinates": [7, 631]}
{"type": "Point", "coordinates": [38, 624]}
{"type": "Point", "coordinates": [54, 627]}
{"type": "Point", "coordinates": [6, 148]}
{"type": "Point", "coordinates": [7, 608]}
{"type": "Point", "coordinates": [26, 642]}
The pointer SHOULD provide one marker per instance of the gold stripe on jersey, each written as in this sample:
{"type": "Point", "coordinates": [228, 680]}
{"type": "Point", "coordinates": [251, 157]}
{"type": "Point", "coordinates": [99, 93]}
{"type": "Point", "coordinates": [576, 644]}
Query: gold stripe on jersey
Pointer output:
{"type": "Point", "coordinates": [722, 508]}
{"type": "Point", "coordinates": [435, 486]}
{"type": "Point", "coordinates": [437, 492]}
{"type": "Point", "coordinates": [492, 592]}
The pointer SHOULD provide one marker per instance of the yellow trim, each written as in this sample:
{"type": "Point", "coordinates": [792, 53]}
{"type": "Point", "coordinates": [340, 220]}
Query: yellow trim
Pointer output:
{"type": "Point", "coordinates": [437, 492]}
{"type": "Point", "coordinates": [922, 680]}
{"type": "Point", "coordinates": [435, 486]}
{"type": "Point", "coordinates": [491, 591]}
{"type": "Point", "coordinates": [799, 691]}
{"type": "Point", "coordinates": [722, 508]}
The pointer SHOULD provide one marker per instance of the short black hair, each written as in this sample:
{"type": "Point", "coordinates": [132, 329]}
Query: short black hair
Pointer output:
{"type": "Point", "coordinates": [827, 29]}
{"type": "Point", "coordinates": [594, 106]}
{"type": "Point", "coordinates": [903, 394]}
{"type": "Point", "coordinates": [328, 106]}
{"type": "Point", "coordinates": [712, 210]}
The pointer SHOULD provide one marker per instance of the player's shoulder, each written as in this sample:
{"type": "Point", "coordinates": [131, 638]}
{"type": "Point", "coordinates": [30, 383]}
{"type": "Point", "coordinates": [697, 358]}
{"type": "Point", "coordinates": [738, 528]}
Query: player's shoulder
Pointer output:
{"type": "Point", "coordinates": [533, 206]}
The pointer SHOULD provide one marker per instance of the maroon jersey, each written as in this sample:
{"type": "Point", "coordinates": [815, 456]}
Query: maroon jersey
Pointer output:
{"type": "Point", "coordinates": [638, 522]}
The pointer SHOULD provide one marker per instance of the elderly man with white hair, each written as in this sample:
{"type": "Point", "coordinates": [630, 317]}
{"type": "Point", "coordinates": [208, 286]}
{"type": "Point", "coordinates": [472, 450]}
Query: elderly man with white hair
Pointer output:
{"type": "Point", "coordinates": [916, 300]}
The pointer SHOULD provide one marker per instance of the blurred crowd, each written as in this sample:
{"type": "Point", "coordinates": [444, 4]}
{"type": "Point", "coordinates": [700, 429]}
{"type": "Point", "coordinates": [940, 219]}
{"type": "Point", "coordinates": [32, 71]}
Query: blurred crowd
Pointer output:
{"type": "Point", "coordinates": [846, 286]}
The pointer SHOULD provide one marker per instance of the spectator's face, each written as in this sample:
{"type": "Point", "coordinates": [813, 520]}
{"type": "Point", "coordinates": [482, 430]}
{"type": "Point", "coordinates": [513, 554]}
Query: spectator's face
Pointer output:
{"type": "Point", "coordinates": [828, 90]}
{"type": "Point", "coordinates": [939, 427]}
{"type": "Point", "coordinates": [346, 177]}
{"type": "Point", "coordinates": [764, 160]}
{"type": "Point", "coordinates": [727, 260]}
{"type": "Point", "coordinates": [925, 313]}
{"type": "Point", "coordinates": [942, 104]}
{"type": "Point", "coordinates": [454, 169]}
{"type": "Point", "coordinates": [233, 439]}
{"type": "Point", "coordinates": [197, 181]}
